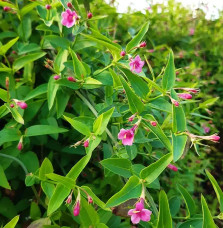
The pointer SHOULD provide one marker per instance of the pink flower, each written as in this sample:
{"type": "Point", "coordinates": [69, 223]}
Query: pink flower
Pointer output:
{"type": "Point", "coordinates": [22, 105]}
{"type": "Point", "coordinates": [89, 15]}
{"type": "Point", "coordinates": [11, 105]}
{"type": "Point", "coordinates": [19, 146]}
{"type": "Point", "coordinates": [71, 79]}
{"type": "Point", "coordinates": [69, 18]}
{"type": "Point", "coordinates": [191, 32]}
{"type": "Point", "coordinates": [142, 45]}
{"type": "Point", "coordinates": [206, 129]}
{"type": "Point", "coordinates": [76, 210]}
{"type": "Point", "coordinates": [151, 50]}
{"type": "Point", "coordinates": [6, 8]}
{"type": "Point", "coordinates": [56, 77]}
{"type": "Point", "coordinates": [153, 123]}
{"type": "Point", "coordinates": [136, 64]}
{"type": "Point", "coordinates": [122, 53]}
{"type": "Point", "coordinates": [176, 103]}
{"type": "Point", "coordinates": [86, 143]}
{"type": "Point", "coordinates": [213, 138]}
{"type": "Point", "coordinates": [131, 118]}
{"type": "Point", "coordinates": [48, 7]}
{"type": "Point", "coordinates": [127, 136]}
{"type": "Point", "coordinates": [185, 96]}
{"type": "Point", "coordinates": [173, 167]}
{"type": "Point", "coordinates": [139, 213]}
{"type": "Point", "coordinates": [69, 199]}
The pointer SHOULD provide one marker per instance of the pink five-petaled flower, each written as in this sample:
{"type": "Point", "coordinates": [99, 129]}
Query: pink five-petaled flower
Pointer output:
{"type": "Point", "coordinates": [136, 64]}
{"type": "Point", "coordinates": [185, 96]}
{"type": "Point", "coordinates": [172, 167]}
{"type": "Point", "coordinates": [139, 213]}
{"type": "Point", "coordinates": [69, 18]}
{"type": "Point", "coordinates": [86, 143]}
{"type": "Point", "coordinates": [22, 105]}
{"type": "Point", "coordinates": [122, 53]}
{"type": "Point", "coordinates": [127, 136]}
{"type": "Point", "coordinates": [76, 210]}
{"type": "Point", "coordinates": [56, 77]}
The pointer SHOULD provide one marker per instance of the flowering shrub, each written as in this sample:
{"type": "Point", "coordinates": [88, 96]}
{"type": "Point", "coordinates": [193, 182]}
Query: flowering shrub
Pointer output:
{"type": "Point", "coordinates": [99, 132]}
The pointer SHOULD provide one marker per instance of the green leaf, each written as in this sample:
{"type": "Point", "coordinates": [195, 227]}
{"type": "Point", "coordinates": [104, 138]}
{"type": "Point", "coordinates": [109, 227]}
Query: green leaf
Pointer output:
{"type": "Point", "coordinates": [169, 76]}
{"type": "Point", "coordinates": [62, 99]}
{"type": "Point", "coordinates": [164, 218]}
{"type": "Point", "coordinates": [65, 181]}
{"type": "Point", "coordinates": [116, 79]}
{"type": "Point", "coordinates": [208, 221]}
{"type": "Point", "coordinates": [36, 92]}
{"type": "Point", "coordinates": [101, 122]}
{"type": "Point", "coordinates": [9, 135]}
{"type": "Point", "coordinates": [3, 180]}
{"type": "Point", "coordinates": [179, 119]}
{"type": "Point", "coordinates": [35, 212]}
{"type": "Point", "coordinates": [57, 41]}
{"type": "Point", "coordinates": [153, 171]}
{"type": "Point", "coordinates": [6, 47]}
{"type": "Point", "coordinates": [43, 130]}
{"type": "Point", "coordinates": [59, 60]}
{"type": "Point", "coordinates": [45, 168]}
{"type": "Point", "coordinates": [131, 190]}
{"type": "Point", "coordinates": [66, 83]}
{"type": "Point", "coordinates": [12, 223]}
{"type": "Point", "coordinates": [27, 8]}
{"type": "Point", "coordinates": [137, 39]}
{"type": "Point", "coordinates": [139, 86]}
{"type": "Point", "coordinates": [217, 189]}
{"type": "Point", "coordinates": [190, 204]}
{"type": "Point", "coordinates": [22, 61]}
{"type": "Point", "coordinates": [158, 131]}
{"type": "Point", "coordinates": [77, 125]}
{"type": "Point", "coordinates": [179, 143]}
{"type": "Point", "coordinates": [15, 114]}
{"type": "Point", "coordinates": [120, 166]}
{"type": "Point", "coordinates": [3, 95]}
{"type": "Point", "coordinates": [79, 68]}
{"type": "Point", "coordinates": [52, 91]}
{"type": "Point", "coordinates": [135, 104]}
{"type": "Point", "coordinates": [2, 3]}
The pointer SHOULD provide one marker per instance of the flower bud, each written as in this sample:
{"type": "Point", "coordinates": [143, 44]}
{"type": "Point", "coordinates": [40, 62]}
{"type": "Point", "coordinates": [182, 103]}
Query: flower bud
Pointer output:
{"type": "Point", "coordinates": [71, 79]}
{"type": "Point", "coordinates": [6, 8]}
{"type": "Point", "coordinates": [153, 123]}
{"type": "Point", "coordinates": [69, 5]}
{"type": "Point", "coordinates": [122, 53]}
{"type": "Point", "coordinates": [7, 83]}
{"type": "Point", "coordinates": [12, 105]}
{"type": "Point", "coordinates": [185, 96]}
{"type": "Point", "coordinates": [19, 146]}
{"type": "Point", "coordinates": [22, 105]}
{"type": "Point", "coordinates": [86, 143]}
{"type": "Point", "coordinates": [69, 199]}
{"type": "Point", "coordinates": [90, 200]}
{"type": "Point", "coordinates": [89, 15]}
{"type": "Point", "coordinates": [172, 167]}
{"type": "Point", "coordinates": [56, 77]}
{"type": "Point", "coordinates": [151, 50]}
{"type": "Point", "coordinates": [176, 103]}
{"type": "Point", "coordinates": [76, 210]}
{"type": "Point", "coordinates": [142, 45]}
{"type": "Point", "coordinates": [48, 7]}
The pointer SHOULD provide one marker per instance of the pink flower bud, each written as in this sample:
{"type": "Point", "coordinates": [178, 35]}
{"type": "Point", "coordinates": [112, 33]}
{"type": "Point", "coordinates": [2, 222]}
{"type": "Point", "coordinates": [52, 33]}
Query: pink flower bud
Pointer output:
{"type": "Point", "coordinates": [71, 79]}
{"type": "Point", "coordinates": [22, 105]}
{"type": "Point", "coordinates": [76, 210]}
{"type": "Point", "coordinates": [206, 129]}
{"type": "Point", "coordinates": [69, 199]}
{"type": "Point", "coordinates": [172, 167]}
{"type": "Point", "coordinates": [56, 77]}
{"type": "Point", "coordinates": [151, 50]}
{"type": "Point", "coordinates": [177, 73]}
{"type": "Point", "coordinates": [86, 143]}
{"type": "Point", "coordinates": [12, 105]}
{"type": "Point", "coordinates": [142, 45]}
{"type": "Point", "coordinates": [90, 200]}
{"type": "Point", "coordinates": [131, 118]}
{"type": "Point", "coordinates": [185, 96]}
{"type": "Point", "coordinates": [215, 138]}
{"type": "Point", "coordinates": [14, 52]}
{"type": "Point", "coordinates": [69, 5]}
{"type": "Point", "coordinates": [89, 15]}
{"type": "Point", "coordinates": [122, 53]}
{"type": "Point", "coordinates": [191, 32]}
{"type": "Point", "coordinates": [176, 103]}
{"type": "Point", "coordinates": [6, 8]}
{"type": "Point", "coordinates": [153, 123]}
{"type": "Point", "coordinates": [19, 146]}
{"type": "Point", "coordinates": [48, 7]}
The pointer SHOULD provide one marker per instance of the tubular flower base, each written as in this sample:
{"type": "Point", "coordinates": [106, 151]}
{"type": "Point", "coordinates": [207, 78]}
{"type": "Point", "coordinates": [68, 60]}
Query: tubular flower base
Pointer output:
{"type": "Point", "coordinates": [140, 213]}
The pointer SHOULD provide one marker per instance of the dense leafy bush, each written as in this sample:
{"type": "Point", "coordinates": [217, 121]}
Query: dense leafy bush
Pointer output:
{"type": "Point", "coordinates": [106, 117]}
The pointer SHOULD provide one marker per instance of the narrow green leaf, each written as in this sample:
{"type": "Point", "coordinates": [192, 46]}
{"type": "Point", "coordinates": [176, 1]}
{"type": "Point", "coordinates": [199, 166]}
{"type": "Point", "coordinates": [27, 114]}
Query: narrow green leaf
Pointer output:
{"type": "Point", "coordinates": [59, 60]}
{"type": "Point", "coordinates": [12, 223]}
{"type": "Point", "coordinates": [137, 39]}
{"type": "Point", "coordinates": [120, 166]}
{"type": "Point", "coordinates": [135, 104]}
{"type": "Point", "coordinates": [3, 180]}
{"type": "Point", "coordinates": [217, 189]}
{"type": "Point", "coordinates": [15, 114]}
{"type": "Point", "coordinates": [6, 47]}
{"type": "Point", "coordinates": [164, 218]}
{"type": "Point", "coordinates": [36, 92]}
{"type": "Point", "coordinates": [158, 131]}
{"type": "Point", "coordinates": [27, 8]}
{"type": "Point", "coordinates": [153, 171]}
{"type": "Point", "coordinates": [52, 91]}
{"type": "Point", "coordinates": [208, 221]}
{"type": "Point", "coordinates": [77, 125]}
{"type": "Point", "coordinates": [190, 204]}
{"type": "Point", "coordinates": [57, 41]}
{"type": "Point", "coordinates": [116, 79]}
{"type": "Point", "coordinates": [179, 143]}
{"type": "Point", "coordinates": [43, 130]}
{"type": "Point", "coordinates": [169, 73]}
{"type": "Point", "coordinates": [62, 99]}
{"type": "Point", "coordinates": [131, 190]}
{"type": "Point", "coordinates": [3, 95]}
{"type": "Point", "coordinates": [45, 168]}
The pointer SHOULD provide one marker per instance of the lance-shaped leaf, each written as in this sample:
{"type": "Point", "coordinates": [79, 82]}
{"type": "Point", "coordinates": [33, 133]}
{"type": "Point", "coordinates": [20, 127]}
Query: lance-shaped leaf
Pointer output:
{"type": "Point", "coordinates": [153, 171]}
{"type": "Point", "coordinates": [3, 180]}
{"type": "Point", "coordinates": [179, 119]}
{"type": "Point", "coordinates": [190, 204]}
{"type": "Point", "coordinates": [45, 168]}
{"type": "Point", "coordinates": [12, 223]}
{"type": "Point", "coordinates": [208, 221]}
{"type": "Point", "coordinates": [59, 60]}
{"type": "Point", "coordinates": [131, 190]}
{"type": "Point", "coordinates": [158, 131]}
{"type": "Point", "coordinates": [52, 91]}
{"type": "Point", "coordinates": [135, 104]}
{"type": "Point", "coordinates": [15, 114]}
{"type": "Point", "coordinates": [137, 39]}
{"type": "Point", "coordinates": [217, 189]}
{"type": "Point", "coordinates": [179, 143]}
{"type": "Point", "coordinates": [169, 76]}
{"type": "Point", "coordinates": [164, 218]}
{"type": "Point", "coordinates": [6, 47]}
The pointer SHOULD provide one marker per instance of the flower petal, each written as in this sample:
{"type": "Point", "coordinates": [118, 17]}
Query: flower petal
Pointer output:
{"type": "Point", "coordinates": [145, 215]}
{"type": "Point", "coordinates": [130, 212]}
{"type": "Point", "coordinates": [122, 133]}
{"type": "Point", "coordinates": [128, 141]}
{"type": "Point", "coordinates": [135, 218]}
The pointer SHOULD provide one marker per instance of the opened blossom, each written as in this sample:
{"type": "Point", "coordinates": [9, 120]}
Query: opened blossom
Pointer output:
{"type": "Point", "coordinates": [127, 136]}
{"type": "Point", "coordinates": [69, 18]}
{"type": "Point", "coordinates": [140, 213]}
{"type": "Point", "coordinates": [136, 64]}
